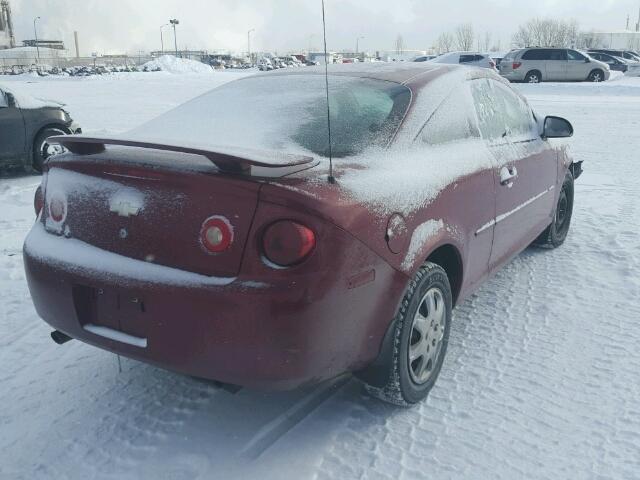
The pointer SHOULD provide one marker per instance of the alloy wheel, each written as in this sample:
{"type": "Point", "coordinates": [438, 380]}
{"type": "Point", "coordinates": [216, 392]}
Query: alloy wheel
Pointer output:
{"type": "Point", "coordinates": [427, 334]}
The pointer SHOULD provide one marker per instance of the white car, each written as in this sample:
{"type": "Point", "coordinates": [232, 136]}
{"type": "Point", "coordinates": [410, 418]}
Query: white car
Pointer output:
{"type": "Point", "coordinates": [471, 59]}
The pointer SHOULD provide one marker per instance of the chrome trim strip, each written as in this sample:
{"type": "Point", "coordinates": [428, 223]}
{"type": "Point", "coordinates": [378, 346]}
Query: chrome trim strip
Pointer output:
{"type": "Point", "coordinates": [505, 215]}
{"type": "Point", "coordinates": [115, 335]}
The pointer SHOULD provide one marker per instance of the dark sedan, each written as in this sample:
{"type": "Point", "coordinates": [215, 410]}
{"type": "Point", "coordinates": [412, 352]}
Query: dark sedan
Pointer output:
{"type": "Point", "coordinates": [615, 63]}
{"type": "Point", "coordinates": [217, 241]}
{"type": "Point", "coordinates": [26, 124]}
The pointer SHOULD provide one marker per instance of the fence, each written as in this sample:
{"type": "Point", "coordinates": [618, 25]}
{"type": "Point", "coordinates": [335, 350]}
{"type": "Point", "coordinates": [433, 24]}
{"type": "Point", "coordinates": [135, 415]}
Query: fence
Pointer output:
{"type": "Point", "coordinates": [8, 63]}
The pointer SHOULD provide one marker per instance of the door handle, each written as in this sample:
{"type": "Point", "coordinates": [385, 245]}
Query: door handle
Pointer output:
{"type": "Point", "coordinates": [507, 174]}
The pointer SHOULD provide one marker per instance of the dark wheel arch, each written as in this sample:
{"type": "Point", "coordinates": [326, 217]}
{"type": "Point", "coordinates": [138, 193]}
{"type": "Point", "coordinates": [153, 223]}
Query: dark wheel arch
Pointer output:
{"type": "Point", "coordinates": [400, 386]}
{"type": "Point", "coordinates": [593, 73]}
{"type": "Point", "coordinates": [531, 73]}
{"type": "Point", "coordinates": [556, 233]}
{"type": "Point", "coordinates": [449, 259]}
{"type": "Point", "coordinates": [35, 163]}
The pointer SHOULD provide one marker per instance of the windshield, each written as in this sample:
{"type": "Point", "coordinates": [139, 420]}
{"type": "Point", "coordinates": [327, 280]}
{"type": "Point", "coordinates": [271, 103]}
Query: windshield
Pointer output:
{"type": "Point", "coordinates": [287, 113]}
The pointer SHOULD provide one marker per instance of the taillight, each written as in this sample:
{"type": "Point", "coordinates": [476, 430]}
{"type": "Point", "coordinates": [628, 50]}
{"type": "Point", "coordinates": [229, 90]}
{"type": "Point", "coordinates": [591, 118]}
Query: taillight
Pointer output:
{"type": "Point", "coordinates": [516, 65]}
{"type": "Point", "coordinates": [216, 234]}
{"type": "Point", "coordinates": [38, 200]}
{"type": "Point", "coordinates": [286, 243]}
{"type": "Point", "coordinates": [57, 208]}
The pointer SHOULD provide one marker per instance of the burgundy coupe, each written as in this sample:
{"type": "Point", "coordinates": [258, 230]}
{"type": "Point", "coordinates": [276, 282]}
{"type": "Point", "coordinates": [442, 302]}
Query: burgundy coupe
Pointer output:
{"type": "Point", "coordinates": [216, 241]}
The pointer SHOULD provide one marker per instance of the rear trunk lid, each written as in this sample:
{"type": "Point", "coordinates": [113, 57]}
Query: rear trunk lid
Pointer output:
{"type": "Point", "coordinates": [150, 205]}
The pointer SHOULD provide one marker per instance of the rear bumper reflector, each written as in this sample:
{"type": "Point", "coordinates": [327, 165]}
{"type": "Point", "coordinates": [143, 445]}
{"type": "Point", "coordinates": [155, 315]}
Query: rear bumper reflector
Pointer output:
{"type": "Point", "coordinates": [116, 335]}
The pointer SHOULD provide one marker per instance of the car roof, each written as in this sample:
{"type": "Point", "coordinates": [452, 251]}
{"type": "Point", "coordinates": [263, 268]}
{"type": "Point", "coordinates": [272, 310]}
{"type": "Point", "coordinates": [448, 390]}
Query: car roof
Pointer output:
{"type": "Point", "coordinates": [407, 73]}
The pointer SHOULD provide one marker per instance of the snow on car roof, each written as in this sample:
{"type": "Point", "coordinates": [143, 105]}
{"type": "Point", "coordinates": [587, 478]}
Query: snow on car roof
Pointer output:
{"type": "Point", "coordinates": [400, 72]}
{"type": "Point", "coordinates": [25, 101]}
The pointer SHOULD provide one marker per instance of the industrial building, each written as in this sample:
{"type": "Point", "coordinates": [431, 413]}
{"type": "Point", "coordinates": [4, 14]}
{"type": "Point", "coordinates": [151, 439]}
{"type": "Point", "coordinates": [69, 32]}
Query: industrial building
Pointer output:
{"type": "Point", "coordinates": [617, 40]}
{"type": "Point", "coordinates": [7, 39]}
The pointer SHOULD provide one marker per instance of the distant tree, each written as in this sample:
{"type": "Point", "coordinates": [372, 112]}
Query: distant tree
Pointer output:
{"type": "Point", "coordinates": [444, 43]}
{"type": "Point", "coordinates": [464, 37]}
{"type": "Point", "coordinates": [487, 41]}
{"type": "Point", "coordinates": [588, 40]}
{"type": "Point", "coordinates": [399, 44]}
{"type": "Point", "coordinates": [540, 32]}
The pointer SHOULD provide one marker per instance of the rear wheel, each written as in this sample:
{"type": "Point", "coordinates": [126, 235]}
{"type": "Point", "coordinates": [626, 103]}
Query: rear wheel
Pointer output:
{"type": "Point", "coordinates": [556, 233]}
{"type": "Point", "coordinates": [596, 76]}
{"type": "Point", "coordinates": [42, 149]}
{"type": "Point", "coordinates": [533, 76]}
{"type": "Point", "coordinates": [421, 336]}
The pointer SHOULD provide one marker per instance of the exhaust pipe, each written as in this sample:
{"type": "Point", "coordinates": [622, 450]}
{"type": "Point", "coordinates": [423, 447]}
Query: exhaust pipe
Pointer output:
{"type": "Point", "coordinates": [59, 337]}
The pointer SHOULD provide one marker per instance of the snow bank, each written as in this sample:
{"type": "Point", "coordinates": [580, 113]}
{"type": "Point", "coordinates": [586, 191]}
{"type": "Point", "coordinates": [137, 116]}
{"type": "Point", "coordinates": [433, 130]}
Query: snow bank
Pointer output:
{"type": "Point", "coordinates": [171, 64]}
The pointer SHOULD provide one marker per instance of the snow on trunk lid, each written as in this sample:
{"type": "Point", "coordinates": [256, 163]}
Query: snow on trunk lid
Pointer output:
{"type": "Point", "coordinates": [149, 214]}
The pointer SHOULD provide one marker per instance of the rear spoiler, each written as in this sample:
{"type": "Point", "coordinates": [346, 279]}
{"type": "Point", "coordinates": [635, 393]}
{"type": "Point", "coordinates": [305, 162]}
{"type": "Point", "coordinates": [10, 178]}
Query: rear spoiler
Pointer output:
{"type": "Point", "coordinates": [227, 159]}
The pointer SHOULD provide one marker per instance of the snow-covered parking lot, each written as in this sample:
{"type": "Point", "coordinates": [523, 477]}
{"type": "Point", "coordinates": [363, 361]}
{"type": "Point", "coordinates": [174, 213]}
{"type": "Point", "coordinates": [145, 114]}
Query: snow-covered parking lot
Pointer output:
{"type": "Point", "coordinates": [541, 379]}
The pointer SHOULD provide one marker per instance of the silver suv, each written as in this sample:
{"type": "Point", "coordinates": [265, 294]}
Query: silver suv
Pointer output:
{"type": "Point", "coordinates": [537, 64]}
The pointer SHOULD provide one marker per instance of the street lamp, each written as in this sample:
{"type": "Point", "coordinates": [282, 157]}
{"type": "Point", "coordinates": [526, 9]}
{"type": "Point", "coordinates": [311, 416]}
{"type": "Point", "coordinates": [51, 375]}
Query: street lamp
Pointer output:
{"type": "Point", "coordinates": [310, 37]}
{"type": "Point", "coordinates": [249, 43]}
{"type": "Point", "coordinates": [358, 44]}
{"type": "Point", "coordinates": [174, 22]}
{"type": "Point", "coordinates": [161, 39]}
{"type": "Point", "coordinates": [35, 32]}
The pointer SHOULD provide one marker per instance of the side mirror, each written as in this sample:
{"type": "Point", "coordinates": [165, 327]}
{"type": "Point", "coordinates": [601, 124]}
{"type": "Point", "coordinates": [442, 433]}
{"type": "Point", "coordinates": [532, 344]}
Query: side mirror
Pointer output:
{"type": "Point", "coordinates": [557, 127]}
{"type": "Point", "coordinates": [587, 60]}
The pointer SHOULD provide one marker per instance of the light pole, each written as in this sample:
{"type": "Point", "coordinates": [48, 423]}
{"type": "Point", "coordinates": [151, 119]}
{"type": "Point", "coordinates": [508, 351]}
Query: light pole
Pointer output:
{"type": "Point", "coordinates": [358, 43]}
{"type": "Point", "coordinates": [310, 37]}
{"type": "Point", "coordinates": [174, 22]}
{"type": "Point", "coordinates": [161, 39]}
{"type": "Point", "coordinates": [249, 43]}
{"type": "Point", "coordinates": [35, 32]}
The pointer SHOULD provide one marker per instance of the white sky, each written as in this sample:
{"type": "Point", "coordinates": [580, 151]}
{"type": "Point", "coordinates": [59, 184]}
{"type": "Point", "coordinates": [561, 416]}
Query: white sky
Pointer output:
{"type": "Point", "coordinates": [116, 26]}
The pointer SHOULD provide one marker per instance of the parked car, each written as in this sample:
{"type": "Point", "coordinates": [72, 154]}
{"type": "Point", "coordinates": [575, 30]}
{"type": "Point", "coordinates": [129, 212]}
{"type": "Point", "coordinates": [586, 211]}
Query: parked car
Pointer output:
{"type": "Point", "coordinates": [625, 54]}
{"type": "Point", "coordinates": [264, 64]}
{"type": "Point", "coordinates": [497, 60]}
{"type": "Point", "coordinates": [535, 65]}
{"type": "Point", "coordinates": [469, 59]}
{"type": "Point", "coordinates": [424, 58]}
{"type": "Point", "coordinates": [26, 124]}
{"type": "Point", "coordinates": [615, 63]}
{"type": "Point", "coordinates": [257, 265]}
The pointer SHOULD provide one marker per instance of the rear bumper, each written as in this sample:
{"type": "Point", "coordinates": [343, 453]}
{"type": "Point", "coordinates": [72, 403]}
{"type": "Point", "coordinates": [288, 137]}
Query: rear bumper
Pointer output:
{"type": "Point", "coordinates": [275, 335]}
{"type": "Point", "coordinates": [512, 75]}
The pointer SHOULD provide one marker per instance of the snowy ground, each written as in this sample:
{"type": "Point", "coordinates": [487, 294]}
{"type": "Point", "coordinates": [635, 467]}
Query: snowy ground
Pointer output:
{"type": "Point", "coordinates": [542, 377]}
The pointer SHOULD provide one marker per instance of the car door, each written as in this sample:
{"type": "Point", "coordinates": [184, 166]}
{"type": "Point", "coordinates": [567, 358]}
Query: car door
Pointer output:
{"type": "Point", "coordinates": [12, 134]}
{"type": "Point", "coordinates": [556, 64]}
{"type": "Point", "coordinates": [578, 68]}
{"type": "Point", "coordinates": [526, 169]}
{"type": "Point", "coordinates": [467, 206]}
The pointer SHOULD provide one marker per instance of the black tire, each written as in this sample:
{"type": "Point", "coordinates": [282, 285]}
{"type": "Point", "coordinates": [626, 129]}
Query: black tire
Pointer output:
{"type": "Point", "coordinates": [534, 76]}
{"type": "Point", "coordinates": [401, 388]}
{"type": "Point", "coordinates": [556, 233]}
{"type": "Point", "coordinates": [596, 76]}
{"type": "Point", "coordinates": [41, 147]}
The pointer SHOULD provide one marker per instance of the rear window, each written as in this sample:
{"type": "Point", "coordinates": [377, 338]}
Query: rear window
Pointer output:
{"type": "Point", "coordinates": [468, 58]}
{"type": "Point", "coordinates": [287, 113]}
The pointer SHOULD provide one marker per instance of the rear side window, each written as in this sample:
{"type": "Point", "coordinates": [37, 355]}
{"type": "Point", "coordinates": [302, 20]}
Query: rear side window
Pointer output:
{"type": "Point", "coordinates": [468, 58]}
{"type": "Point", "coordinates": [535, 54]}
{"type": "Point", "coordinates": [502, 115]}
{"type": "Point", "coordinates": [558, 54]}
{"type": "Point", "coordinates": [454, 120]}
{"type": "Point", "coordinates": [3, 100]}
